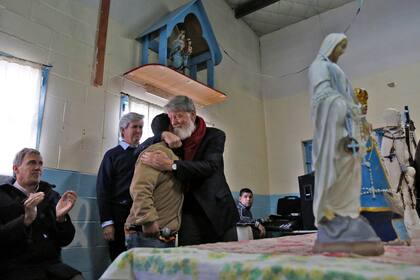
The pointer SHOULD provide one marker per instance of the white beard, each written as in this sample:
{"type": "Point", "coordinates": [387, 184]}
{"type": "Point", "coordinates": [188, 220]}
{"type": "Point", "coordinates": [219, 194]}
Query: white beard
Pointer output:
{"type": "Point", "coordinates": [185, 132]}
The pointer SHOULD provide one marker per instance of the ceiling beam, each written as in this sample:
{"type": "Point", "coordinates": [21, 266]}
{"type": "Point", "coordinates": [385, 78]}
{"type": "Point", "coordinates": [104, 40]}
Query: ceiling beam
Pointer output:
{"type": "Point", "coordinates": [252, 6]}
{"type": "Point", "coordinates": [101, 43]}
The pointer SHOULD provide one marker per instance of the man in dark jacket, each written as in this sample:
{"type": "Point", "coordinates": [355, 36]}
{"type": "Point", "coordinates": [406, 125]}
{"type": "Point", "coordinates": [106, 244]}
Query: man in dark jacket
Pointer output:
{"type": "Point", "coordinates": [34, 224]}
{"type": "Point", "coordinates": [113, 183]}
{"type": "Point", "coordinates": [209, 211]}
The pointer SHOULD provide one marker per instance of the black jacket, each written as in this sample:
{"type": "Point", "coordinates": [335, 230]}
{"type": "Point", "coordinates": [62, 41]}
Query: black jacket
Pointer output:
{"type": "Point", "coordinates": [32, 252]}
{"type": "Point", "coordinates": [113, 183]}
{"type": "Point", "coordinates": [205, 178]}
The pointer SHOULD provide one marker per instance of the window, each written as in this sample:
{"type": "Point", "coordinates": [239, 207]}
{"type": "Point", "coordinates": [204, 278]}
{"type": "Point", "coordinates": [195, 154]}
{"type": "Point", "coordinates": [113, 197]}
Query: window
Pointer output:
{"type": "Point", "coordinates": [378, 133]}
{"type": "Point", "coordinates": [148, 110]}
{"type": "Point", "coordinates": [22, 96]}
{"type": "Point", "coordinates": [307, 155]}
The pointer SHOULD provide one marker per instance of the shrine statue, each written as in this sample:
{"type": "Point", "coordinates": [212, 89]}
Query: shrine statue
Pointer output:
{"type": "Point", "coordinates": [337, 154]}
{"type": "Point", "coordinates": [377, 203]}
{"type": "Point", "coordinates": [186, 53]}
{"type": "Point", "coordinates": [401, 175]}
{"type": "Point", "coordinates": [181, 49]}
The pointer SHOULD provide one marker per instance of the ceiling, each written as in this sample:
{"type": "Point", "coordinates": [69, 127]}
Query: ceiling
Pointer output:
{"type": "Point", "coordinates": [266, 16]}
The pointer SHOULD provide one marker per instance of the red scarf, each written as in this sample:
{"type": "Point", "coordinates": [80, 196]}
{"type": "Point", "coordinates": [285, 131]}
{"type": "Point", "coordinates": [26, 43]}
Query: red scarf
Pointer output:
{"type": "Point", "coordinates": [192, 143]}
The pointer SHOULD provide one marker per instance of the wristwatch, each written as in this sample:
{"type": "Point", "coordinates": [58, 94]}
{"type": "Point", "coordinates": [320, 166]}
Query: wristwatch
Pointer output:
{"type": "Point", "coordinates": [174, 166]}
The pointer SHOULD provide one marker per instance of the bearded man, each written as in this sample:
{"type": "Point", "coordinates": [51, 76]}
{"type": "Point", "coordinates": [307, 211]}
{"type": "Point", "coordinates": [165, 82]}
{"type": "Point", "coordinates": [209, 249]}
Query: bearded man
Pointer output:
{"type": "Point", "coordinates": [209, 213]}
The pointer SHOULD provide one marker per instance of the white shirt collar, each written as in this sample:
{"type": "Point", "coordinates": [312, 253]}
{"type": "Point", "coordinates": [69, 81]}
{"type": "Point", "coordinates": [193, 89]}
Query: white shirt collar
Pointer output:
{"type": "Point", "coordinates": [22, 189]}
{"type": "Point", "coordinates": [125, 145]}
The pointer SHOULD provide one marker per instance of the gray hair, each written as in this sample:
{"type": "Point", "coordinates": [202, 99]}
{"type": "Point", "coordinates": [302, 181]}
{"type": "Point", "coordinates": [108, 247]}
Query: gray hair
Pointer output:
{"type": "Point", "coordinates": [180, 103]}
{"type": "Point", "coordinates": [129, 118]}
{"type": "Point", "coordinates": [21, 155]}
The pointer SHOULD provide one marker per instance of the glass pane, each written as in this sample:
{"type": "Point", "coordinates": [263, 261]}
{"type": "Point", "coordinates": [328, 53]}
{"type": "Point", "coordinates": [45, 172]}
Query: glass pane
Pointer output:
{"type": "Point", "coordinates": [142, 107]}
{"type": "Point", "coordinates": [19, 100]}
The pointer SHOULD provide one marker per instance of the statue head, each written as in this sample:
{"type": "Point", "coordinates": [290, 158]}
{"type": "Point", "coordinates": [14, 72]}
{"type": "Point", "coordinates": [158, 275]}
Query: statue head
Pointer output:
{"type": "Point", "coordinates": [333, 46]}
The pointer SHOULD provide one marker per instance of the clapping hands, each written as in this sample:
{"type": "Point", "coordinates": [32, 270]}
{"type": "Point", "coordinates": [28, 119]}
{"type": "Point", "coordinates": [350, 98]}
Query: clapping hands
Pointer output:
{"type": "Point", "coordinates": [30, 205]}
{"type": "Point", "coordinates": [65, 204]}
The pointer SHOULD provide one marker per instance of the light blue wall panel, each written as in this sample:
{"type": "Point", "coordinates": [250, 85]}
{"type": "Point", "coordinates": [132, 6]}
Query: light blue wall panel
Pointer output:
{"type": "Point", "coordinates": [88, 252]}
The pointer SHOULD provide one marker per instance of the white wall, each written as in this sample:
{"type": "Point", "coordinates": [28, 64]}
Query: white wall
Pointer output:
{"type": "Point", "coordinates": [383, 46]}
{"type": "Point", "coordinates": [80, 121]}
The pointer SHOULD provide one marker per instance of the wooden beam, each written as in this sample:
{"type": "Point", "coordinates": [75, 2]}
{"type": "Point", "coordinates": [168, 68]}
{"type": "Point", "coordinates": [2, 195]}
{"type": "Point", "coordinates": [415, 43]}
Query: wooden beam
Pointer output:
{"type": "Point", "coordinates": [101, 43]}
{"type": "Point", "coordinates": [252, 6]}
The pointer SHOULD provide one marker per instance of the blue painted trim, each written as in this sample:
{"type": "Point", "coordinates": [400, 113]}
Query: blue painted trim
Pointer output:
{"type": "Point", "coordinates": [210, 73]}
{"type": "Point", "coordinates": [307, 155]}
{"type": "Point", "coordinates": [124, 103]}
{"type": "Point", "coordinates": [163, 46]}
{"type": "Point", "coordinates": [199, 58]}
{"type": "Point", "coordinates": [45, 71]}
{"type": "Point", "coordinates": [165, 27]}
{"type": "Point", "coordinates": [144, 50]}
{"type": "Point", "coordinates": [208, 34]}
{"type": "Point", "coordinates": [193, 71]}
{"type": "Point", "coordinates": [154, 46]}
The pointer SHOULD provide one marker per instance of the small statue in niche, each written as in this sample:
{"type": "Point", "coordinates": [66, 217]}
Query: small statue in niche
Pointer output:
{"type": "Point", "coordinates": [181, 49]}
{"type": "Point", "coordinates": [186, 54]}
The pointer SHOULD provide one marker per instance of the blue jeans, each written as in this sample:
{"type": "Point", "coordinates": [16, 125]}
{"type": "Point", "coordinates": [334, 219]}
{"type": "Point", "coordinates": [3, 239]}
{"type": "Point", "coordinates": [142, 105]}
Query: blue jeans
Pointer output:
{"type": "Point", "coordinates": [138, 239]}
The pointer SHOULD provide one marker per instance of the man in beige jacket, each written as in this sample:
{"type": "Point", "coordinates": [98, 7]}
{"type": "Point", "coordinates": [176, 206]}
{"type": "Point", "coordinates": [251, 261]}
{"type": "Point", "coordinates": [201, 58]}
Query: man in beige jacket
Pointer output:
{"type": "Point", "coordinates": [157, 202]}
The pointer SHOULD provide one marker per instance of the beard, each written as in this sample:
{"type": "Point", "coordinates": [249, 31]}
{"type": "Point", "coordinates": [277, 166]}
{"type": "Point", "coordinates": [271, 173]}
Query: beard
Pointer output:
{"type": "Point", "coordinates": [185, 132]}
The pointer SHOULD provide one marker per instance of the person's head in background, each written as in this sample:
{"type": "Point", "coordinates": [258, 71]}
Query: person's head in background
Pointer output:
{"type": "Point", "coordinates": [181, 112]}
{"type": "Point", "coordinates": [131, 128]}
{"type": "Point", "coordinates": [246, 197]}
{"type": "Point", "coordinates": [27, 168]}
{"type": "Point", "coordinates": [161, 123]}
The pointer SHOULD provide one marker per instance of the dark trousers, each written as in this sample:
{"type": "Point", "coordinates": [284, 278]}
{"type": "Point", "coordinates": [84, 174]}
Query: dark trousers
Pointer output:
{"type": "Point", "coordinates": [197, 229]}
{"type": "Point", "coordinates": [116, 247]}
{"type": "Point", "coordinates": [137, 240]}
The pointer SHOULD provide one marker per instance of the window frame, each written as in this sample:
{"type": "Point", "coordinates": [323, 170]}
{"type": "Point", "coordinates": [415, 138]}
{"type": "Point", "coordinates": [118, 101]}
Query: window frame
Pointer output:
{"type": "Point", "coordinates": [125, 108]}
{"type": "Point", "coordinates": [45, 71]}
{"type": "Point", "coordinates": [307, 155]}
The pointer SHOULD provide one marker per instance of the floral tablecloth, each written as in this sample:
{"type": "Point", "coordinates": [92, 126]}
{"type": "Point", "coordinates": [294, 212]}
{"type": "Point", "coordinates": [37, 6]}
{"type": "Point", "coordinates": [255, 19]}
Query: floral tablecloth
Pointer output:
{"type": "Point", "coordinates": [256, 259]}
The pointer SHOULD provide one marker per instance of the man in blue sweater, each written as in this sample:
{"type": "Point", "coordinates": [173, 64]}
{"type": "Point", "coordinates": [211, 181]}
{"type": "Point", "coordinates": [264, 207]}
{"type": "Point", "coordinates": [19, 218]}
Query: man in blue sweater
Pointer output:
{"type": "Point", "coordinates": [113, 183]}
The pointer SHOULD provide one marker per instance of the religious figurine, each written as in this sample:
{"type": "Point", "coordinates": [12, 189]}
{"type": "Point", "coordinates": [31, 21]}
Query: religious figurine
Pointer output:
{"type": "Point", "coordinates": [377, 203]}
{"type": "Point", "coordinates": [401, 175]}
{"type": "Point", "coordinates": [337, 153]}
{"type": "Point", "coordinates": [176, 50]}
{"type": "Point", "coordinates": [181, 50]}
{"type": "Point", "coordinates": [186, 54]}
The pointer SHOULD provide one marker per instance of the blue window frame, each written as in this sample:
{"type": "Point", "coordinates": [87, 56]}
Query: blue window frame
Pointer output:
{"type": "Point", "coordinates": [147, 109]}
{"type": "Point", "coordinates": [307, 148]}
{"type": "Point", "coordinates": [307, 155]}
{"type": "Point", "coordinates": [45, 72]}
